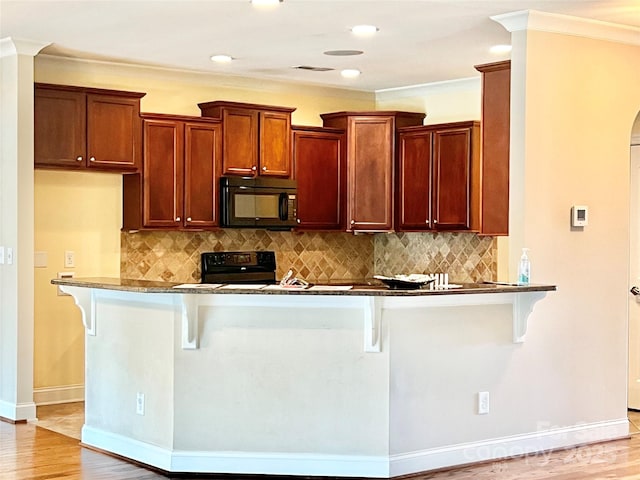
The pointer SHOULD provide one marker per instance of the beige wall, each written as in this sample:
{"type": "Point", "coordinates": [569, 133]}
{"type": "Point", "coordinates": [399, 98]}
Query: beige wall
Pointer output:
{"type": "Point", "coordinates": [443, 102]}
{"type": "Point", "coordinates": [574, 102]}
{"type": "Point", "coordinates": [82, 212]}
{"type": "Point", "coordinates": [179, 92]}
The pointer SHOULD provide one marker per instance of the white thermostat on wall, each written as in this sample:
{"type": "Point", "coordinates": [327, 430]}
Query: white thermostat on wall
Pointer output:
{"type": "Point", "coordinates": [579, 216]}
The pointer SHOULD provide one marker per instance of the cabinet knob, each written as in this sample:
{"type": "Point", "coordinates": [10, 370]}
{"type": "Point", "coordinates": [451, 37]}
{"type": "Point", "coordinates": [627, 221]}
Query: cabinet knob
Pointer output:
{"type": "Point", "coordinates": [298, 220]}
{"type": "Point", "coordinates": [427, 222]}
{"type": "Point", "coordinates": [177, 219]}
{"type": "Point", "coordinates": [188, 219]}
{"type": "Point", "coordinates": [92, 159]}
{"type": "Point", "coordinates": [353, 222]}
{"type": "Point", "coordinates": [79, 159]}
{"type": "Point", "coordinates": [264, 169]}
{"type": "Point", "coordinates": [254, 168]}
{"type": "Point", "coordinates": [435, 221]}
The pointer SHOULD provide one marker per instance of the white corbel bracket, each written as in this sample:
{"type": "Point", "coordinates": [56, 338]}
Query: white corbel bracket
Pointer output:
{"type": "Point", "coordinates": [190, 306]}
{"type": "Point", "coordinates": [84, 299]}
{"type": "Point", "coordinates": [372, 321]}
{"type": "Point", "coordinates": [522, 308]}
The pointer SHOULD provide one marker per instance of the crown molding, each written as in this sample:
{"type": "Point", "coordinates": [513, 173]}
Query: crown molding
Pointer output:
{"type": "Point", "coordinates": [568, 25]}
{"type": "Point", "coordinates": [17, 46]}
{"type": "Point", "coordinates": [471, 83]}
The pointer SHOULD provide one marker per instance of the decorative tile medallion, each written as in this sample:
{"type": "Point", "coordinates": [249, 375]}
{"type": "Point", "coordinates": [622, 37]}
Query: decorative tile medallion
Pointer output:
{"type": "Point", "coordinates": [316, 257]}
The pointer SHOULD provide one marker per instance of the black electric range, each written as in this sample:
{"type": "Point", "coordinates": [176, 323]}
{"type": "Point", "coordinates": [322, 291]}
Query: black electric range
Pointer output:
{"type": "Point", "coordinates": [238, 267]}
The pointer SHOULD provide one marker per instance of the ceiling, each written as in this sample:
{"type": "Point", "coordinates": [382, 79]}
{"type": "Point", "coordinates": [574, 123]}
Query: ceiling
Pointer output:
{"type": "Point", "coordinates": [418, 42]}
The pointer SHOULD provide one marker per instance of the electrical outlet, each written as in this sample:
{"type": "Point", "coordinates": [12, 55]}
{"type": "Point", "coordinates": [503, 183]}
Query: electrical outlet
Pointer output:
{"type": "Point", "coordinates": [483, 403]}
{"type": "Point", "coordinates": [69, 259]}
{"type": "Point", "coordinates": [140, 403]}
{"type": "Point", "coordinates": [1, 255]}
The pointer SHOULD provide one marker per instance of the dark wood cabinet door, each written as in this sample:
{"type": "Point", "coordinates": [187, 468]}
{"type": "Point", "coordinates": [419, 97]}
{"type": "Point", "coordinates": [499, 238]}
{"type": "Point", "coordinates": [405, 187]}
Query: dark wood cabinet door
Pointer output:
{"type": "Point", "coordinates": [370, 173]}
{"type": "Point", "coordinates": [319, 169]}
{"type": "Point", "coordinates": [113, 132]}
{"type": "Point", "coordinates": [59, 128]}
{"type": "Point", "coordinates": [275, 144]}
{"type": "Point", "coordinates": [414, 181]}
{"type": "Point", "coordinates": [240, 142]}
{"type": "Point", "coordinates": [163, 173]}
{"type": "Point", "coordinates": [203, 149]}
{"type": "Point", "coordinates": [451, 178]}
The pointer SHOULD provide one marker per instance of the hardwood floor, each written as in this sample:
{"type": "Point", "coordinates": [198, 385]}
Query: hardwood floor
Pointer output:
{"type": "Point", "coordinates": [31, 452]}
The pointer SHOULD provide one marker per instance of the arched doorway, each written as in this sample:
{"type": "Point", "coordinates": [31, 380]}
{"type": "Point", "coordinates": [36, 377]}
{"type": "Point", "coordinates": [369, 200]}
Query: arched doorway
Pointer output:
{"type": "Point", "coordinates": [633, 401]}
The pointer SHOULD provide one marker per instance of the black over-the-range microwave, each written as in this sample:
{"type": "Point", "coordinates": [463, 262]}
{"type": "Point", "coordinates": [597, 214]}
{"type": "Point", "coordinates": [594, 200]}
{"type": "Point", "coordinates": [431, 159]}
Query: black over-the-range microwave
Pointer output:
{"type": "Point", "coordinates": [258, 202]}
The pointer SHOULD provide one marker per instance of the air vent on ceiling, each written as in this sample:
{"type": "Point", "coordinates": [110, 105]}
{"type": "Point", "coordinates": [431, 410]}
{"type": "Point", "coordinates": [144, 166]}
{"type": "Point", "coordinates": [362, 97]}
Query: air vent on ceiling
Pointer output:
{"type": "Point", "coordinates": [312, 68]}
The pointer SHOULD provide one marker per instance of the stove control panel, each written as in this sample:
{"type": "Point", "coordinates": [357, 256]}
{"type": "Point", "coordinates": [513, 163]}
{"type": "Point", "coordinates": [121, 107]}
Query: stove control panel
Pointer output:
{"type": "Point", "coordinates": [239, 267]}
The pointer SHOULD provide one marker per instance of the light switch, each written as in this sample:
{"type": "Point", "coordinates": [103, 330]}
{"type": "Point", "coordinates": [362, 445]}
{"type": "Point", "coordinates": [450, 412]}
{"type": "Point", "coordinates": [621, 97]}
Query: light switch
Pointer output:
{"type": "Point", "coordinates": [69, 259]}
{"type": "Point", "coordinates": [1, 255]}
{"type": "Point", "coordinates": [9, 256]}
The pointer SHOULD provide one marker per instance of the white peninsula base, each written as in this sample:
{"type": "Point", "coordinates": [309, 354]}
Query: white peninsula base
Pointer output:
{"type": "Point", "coordinates": [331, 385]}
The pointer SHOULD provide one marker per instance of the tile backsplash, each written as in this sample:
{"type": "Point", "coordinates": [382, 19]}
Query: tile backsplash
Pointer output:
{"type": "Point", "coordinates": [316, 257]}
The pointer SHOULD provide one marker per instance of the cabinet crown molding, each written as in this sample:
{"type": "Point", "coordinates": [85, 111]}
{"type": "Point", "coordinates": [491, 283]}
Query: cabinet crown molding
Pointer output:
{"type": "Point", "coordinates": [96, 91]}
{"type": "Point", "coordinates": [252, 106]}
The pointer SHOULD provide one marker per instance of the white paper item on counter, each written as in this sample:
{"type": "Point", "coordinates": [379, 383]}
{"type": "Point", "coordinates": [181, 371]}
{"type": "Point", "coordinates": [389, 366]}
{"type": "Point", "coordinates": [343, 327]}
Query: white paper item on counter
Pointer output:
{"type": "Point", "coordinates": [240, 286]}
{"type": "Point", "coordinates": [285, 287]}
{"type": "Point", "coordinates": [331, 287]}
{"type": "Point", "coordinates": [202, 286]}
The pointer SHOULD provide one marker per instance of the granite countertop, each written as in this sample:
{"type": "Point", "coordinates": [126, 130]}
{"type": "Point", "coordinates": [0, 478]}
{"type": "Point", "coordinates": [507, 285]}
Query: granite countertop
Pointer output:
{"type": "Point", "coordinates": [365, 288]}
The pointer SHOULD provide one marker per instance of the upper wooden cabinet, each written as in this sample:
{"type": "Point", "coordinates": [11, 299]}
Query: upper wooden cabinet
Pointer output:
{"type": "Point", "coordinates": [370, 138]}
{"type": "Point", "coordinates": [256, 138]}
{"type": "Point", "coordinates": [414, 180]}
{"type": "Point", "coordinates": [496, 99]}
{"type": "Point", "coordinates": [456, 157]}
{"type": "Point", "coordinates": [181, 166]}
{"type": "Point", "coordinates": [77, 128]}
{"type": "Point", "coordinates": [438, 177]}
{"type": "Point", "coordinates": [319, 168]}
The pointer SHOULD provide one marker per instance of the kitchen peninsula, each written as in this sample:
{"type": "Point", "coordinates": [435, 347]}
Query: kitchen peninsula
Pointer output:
{"type": "Point", "coordinates": [284, 381]}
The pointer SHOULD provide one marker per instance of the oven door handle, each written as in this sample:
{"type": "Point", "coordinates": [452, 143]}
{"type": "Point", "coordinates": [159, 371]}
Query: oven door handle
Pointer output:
{"type": "Point", "coordinates": [283, 206]}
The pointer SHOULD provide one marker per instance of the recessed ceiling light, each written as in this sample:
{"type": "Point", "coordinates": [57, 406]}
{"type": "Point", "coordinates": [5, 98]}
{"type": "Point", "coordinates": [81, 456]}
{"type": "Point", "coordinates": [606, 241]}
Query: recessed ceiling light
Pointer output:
{"type": "Point", "coordinates": [350, 73]}
{"type": "Point", "coordinates": [498, 49]}
{"type": "Point", "coordinates": [265, 3]}
{"type": "Point", "coordinates": [343, 53]}
{"type": "Point", "coordinates": [364, 30]}
{"type": "Point", "coordinates": [221, 58]}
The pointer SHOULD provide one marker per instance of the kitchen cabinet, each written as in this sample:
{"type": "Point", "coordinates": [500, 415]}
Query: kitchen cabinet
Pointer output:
{"type": "Point", "coordinates": [320, 170]}
{"type": "Point", "coordinates": [179, 184]}
{"type": "Point", "coordinates": [370, 157]}
{"type": "Point", "coordinates": [414, 180]}
{"type": "Point", "coordinates": [86, 128]}
{"type": "Point", "coordinates": [496, 100]}
{"type": "Point", "coordinates": [256, 138]}
{"type": "Point", "coordinates": [438, 177]}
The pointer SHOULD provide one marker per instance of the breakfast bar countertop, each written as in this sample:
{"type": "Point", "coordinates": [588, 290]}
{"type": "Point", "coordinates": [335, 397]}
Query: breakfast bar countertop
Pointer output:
{"type": "Point", "coordinates": [365, 288]}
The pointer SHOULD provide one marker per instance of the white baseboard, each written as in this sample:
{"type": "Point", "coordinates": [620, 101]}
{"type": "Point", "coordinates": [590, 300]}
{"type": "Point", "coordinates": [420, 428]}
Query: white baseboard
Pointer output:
{"type": "Point", "coordinates": [534, 444]}
{"type": "Point", "coordinates": [17, 411]}
{"type": "Point", "coordinates": [55, 395]}
{"type": "Point", "coordinates": [537, 444]}
{"type": "Point", "coordinates": [237, 462]}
